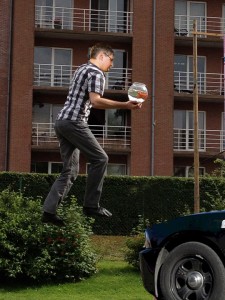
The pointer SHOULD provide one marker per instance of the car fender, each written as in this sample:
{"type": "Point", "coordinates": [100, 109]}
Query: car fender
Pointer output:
{"type": "Point", "coordinates": [160, 259]}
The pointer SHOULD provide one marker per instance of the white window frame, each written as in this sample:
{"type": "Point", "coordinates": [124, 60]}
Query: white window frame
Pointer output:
{"type": "Point", "coordinates": [189, 70]}
{"type": "Point", "coordinates": [53, 20]}
{"type": "Point", "coordinates": [190, 18]}
{"type": "Point", "coordinates": [189, 131]}
{"type": "Point", "coordinates": [52, 62]}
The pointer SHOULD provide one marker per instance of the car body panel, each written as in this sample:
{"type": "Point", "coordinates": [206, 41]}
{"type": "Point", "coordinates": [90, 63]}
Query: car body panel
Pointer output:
{"type": "Point", "coordinates": [208, 228]}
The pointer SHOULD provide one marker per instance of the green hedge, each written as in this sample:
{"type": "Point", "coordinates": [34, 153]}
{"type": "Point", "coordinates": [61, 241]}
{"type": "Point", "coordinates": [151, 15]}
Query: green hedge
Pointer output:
{"type": "Point", "coordinates": [154, 198]}
{"type": "Point", "coordinates": [32, 251]}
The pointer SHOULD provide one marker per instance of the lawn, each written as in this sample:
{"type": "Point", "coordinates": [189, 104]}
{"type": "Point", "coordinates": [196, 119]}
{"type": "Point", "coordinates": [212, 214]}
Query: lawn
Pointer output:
{"type": "Point", "coordinates": [115, 279]}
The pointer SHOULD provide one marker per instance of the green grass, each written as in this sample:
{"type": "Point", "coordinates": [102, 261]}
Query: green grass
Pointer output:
{"type": "Point", "coordinates": [115, 280]}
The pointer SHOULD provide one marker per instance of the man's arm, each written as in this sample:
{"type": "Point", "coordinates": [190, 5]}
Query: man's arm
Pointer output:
{"type": "Point", "coordinates": [102, 103]}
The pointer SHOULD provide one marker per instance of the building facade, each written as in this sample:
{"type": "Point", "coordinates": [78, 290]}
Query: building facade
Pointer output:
{"type": "Point", "coordinates": [43, 42]}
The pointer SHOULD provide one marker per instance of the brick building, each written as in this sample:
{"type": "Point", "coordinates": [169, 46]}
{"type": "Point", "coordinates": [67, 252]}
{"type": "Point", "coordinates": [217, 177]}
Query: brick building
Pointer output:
{"type": "Point", "coordinates": [43, 41]}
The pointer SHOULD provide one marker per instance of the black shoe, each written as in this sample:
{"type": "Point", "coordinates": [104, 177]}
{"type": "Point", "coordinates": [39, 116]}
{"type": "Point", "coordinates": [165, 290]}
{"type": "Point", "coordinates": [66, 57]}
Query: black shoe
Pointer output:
{"type": "Point", "coordinates": [96, 211]}
{"type": "Point", "coordinates": [53, 219]}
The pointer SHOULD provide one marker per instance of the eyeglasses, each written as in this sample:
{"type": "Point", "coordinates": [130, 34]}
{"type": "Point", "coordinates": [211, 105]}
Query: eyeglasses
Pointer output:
{"type": "Point", "coordinates": [111, 59]}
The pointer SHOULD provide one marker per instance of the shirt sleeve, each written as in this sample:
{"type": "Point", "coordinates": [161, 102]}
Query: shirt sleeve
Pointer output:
{"type": "Point", "coordinates": [96, 83]}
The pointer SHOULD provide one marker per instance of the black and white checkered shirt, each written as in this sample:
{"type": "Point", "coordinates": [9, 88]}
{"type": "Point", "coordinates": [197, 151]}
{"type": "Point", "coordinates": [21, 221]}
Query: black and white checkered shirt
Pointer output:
{"type": "Point", "coordinates": [87, 78]}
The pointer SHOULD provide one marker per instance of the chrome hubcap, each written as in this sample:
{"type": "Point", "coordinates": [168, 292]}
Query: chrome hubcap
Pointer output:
{"type": "Point", "coordinates": [195, 280]}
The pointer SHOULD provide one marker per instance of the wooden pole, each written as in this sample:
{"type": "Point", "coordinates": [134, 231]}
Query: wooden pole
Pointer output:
{"type": "Point", "coordinates": [195, 110]}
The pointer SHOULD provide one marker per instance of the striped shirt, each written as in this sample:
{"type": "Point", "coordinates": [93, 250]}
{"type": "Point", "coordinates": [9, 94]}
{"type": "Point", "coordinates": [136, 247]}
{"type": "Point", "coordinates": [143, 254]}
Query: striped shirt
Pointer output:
{"type": "Point", "coordinates": [87, 78]}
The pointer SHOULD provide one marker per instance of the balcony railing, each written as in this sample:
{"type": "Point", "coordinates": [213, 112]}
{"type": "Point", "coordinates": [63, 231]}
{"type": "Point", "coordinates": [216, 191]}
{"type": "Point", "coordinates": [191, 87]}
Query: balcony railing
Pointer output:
{"type": "Point", "coordinates": [208, 83]}
{"type": "Point", "coordinates": [211, 141]}
{"type": "Point", "coordinates": [118, 137]}
{"type": "Point", "coordinates": [83, 19]}
{"type": "Point", "coordinates": [184, 25]}
{"type": "Point", "coordinates": [61, 75]}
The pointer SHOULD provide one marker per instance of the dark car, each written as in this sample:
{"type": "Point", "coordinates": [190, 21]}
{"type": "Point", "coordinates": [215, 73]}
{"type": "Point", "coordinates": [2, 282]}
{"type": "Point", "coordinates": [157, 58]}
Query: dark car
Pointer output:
{"type": "Point", "coordinates": [184, 259]}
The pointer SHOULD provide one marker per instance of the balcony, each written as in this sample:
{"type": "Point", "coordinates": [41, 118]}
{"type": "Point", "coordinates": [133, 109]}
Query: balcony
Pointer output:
{"type": "Point", "coordinates": [47, 75]}
{"type": "Point", "coordinates": [116, 138]}
{"type": "Point", "coordinates": [78, 19]}
{"type": "Point", "coordinates": [183, 26]}
{"type": "Point", "coordinates": [211, 142]}
{"type": "Point", "coordinates": [208, 83]}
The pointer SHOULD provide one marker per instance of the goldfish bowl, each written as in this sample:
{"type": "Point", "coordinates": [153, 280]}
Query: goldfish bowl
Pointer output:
{"type": "Point", "coordinates": [138, 92]}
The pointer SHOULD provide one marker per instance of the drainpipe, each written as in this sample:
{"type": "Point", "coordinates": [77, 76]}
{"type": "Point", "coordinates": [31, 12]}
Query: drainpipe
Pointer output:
{"type": "Point", "coordinates": [153, 87]}
{"type": "Point", "coordinates": [9, 87]}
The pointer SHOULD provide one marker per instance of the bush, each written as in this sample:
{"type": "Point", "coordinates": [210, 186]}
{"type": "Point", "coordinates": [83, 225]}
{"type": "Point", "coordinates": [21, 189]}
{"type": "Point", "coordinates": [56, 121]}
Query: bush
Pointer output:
{"type": "Point", "coordinates": [31, 250]}
{"type": "Point", "coordinates": [135, 243]}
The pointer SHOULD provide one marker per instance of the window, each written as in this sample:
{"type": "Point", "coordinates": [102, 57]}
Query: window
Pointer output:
{"type": "Point", "coordinates": [52, 66]}
{"type": "Point", "coordinates": [54, 167]}
{"type": "Point", "coordinates": [117, 10]}
{"type": "Point", "coordinates": [187, 171]}
{"type": "Point", "coordinates": [185, 13]}
{"type": "Point", "coordinates": [46, 167]}
{"type": "Point", "coordinates": [183, 73]}
{"type": "Point", "coordinates": [114, 169]}
{"type": "Point", "coordinates": [118, 77]}
{"type": "Point", "coordinates": [56, 14]}
{"type": "Point", "coordinates": [184, 130]}
{"type": "Point", "coordinates": [45, 112]}
{"type": "Point", "coordinates": [115, 120]}
{"type": "Point", "coordinates": [43, 119]}
{"type": "Point", "coordinates": [109, 15]}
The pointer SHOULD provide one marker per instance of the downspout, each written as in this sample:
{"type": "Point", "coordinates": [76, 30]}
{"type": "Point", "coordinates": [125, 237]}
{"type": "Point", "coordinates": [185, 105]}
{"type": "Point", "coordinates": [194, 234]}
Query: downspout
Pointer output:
{"type": "Point", "coordinates": [9, 87]}
{"type": "Point", "coordinates": [153, 87]}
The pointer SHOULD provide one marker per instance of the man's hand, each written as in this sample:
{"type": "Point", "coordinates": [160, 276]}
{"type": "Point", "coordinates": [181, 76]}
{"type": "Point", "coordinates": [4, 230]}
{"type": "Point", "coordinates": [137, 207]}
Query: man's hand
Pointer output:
{"type": "Point", "coordinates": [133, 105]}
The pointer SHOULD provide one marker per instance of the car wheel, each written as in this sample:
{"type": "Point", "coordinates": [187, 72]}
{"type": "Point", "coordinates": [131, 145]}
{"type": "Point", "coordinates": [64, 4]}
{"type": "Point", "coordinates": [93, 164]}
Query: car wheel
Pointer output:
{"type": "Point", "coordinates": [192, 271]}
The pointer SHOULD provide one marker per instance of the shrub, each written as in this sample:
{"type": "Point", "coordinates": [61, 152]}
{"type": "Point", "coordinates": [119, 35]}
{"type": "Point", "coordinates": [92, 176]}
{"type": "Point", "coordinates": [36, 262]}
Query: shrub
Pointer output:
{"type": "Point", "coordinates": [31, 250]}
{"type": "Point", "coordinates": [135, 243]}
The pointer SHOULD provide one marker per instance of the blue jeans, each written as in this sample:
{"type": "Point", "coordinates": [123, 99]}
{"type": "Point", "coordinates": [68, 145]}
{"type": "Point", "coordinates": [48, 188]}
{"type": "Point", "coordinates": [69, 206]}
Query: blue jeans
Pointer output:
{"type": "Point", "coordinates": [73, 138]}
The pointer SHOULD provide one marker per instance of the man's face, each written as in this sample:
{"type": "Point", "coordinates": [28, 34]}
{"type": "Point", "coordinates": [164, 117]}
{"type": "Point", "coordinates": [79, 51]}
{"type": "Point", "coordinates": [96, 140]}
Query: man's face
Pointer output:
{"type": "Point", "coordinates": [107, 61]}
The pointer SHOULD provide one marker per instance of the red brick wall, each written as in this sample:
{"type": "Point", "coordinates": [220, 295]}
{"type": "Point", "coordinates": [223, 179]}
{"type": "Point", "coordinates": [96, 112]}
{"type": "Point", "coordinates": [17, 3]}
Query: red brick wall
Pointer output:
{"type": "Point", "coordinates": [164, 88]}
{"type": "Point", "coordinates": [142, 66]}
{"type": "Point", "coordinates": [22, 86]}
{"type": "Point", "coordinates": [4, 79]}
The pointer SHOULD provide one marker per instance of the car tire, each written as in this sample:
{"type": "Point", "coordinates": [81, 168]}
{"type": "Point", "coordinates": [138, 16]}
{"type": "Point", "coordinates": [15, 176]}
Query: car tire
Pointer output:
{"type": "Point", "coordinates": [192, 270]}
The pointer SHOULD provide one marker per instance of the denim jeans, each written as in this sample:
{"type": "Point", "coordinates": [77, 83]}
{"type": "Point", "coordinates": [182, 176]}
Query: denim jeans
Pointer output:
{"type": "Point", "coordinates": [75, 137]}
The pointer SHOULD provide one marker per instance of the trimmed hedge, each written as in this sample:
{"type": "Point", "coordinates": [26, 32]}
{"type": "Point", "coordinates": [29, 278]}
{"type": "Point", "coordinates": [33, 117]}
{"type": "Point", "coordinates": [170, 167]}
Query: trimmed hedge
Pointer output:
{"type": "Point", "coordinates": [154, 198]}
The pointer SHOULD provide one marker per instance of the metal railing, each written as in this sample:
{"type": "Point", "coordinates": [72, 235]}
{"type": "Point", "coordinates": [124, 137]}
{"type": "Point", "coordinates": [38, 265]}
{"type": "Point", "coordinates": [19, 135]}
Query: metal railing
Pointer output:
{"type": "Point", "coordinates": [183, 25]}
{"type": "Point", "coordinates": [209, 140]}
{"type": "Point", "coordinates": [61, 75]}
{"type": "Point", "coordinates": [43, 134]}
{"type": "Point", "coordinates": [83, 19]}
{"type": "Point", "coordinates": [208, 83]}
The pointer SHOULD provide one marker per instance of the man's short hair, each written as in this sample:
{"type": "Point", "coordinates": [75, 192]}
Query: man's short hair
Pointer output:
{"type": "Point", "coordinates": [100, 47]}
